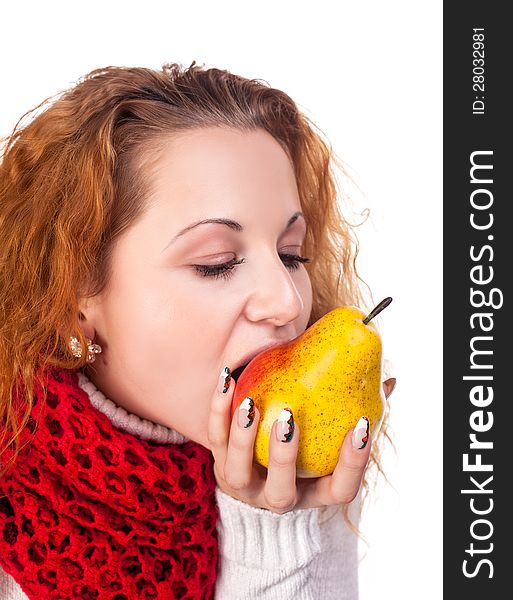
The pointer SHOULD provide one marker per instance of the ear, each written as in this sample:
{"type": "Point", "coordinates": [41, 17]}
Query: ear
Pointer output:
{"type": "Point", "coordinates": [87, 316]}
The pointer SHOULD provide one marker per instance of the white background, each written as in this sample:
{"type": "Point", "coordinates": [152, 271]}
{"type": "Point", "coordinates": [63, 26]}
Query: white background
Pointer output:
{"type": "Point", "coordinates": [369, 74]}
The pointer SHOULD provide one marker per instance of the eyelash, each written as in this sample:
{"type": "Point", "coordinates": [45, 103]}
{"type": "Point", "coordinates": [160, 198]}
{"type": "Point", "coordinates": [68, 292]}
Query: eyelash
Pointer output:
{"type": "Point", "coordinates": [226, 269]}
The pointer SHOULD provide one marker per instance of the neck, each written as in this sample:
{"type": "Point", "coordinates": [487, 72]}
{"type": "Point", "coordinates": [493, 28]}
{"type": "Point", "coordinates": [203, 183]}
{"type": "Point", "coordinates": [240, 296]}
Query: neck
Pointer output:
{"type": "Point", "coordinates": [130, 423]}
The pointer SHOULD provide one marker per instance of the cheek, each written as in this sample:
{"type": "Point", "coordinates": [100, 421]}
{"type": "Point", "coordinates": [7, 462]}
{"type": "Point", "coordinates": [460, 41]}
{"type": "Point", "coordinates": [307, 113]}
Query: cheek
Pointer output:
{"type": "Point", "coordinates": [304, 287]}
{"type": "Point", "coordinates": [170, 330]}
{"type": "Point", "coordinates": [167, 342]}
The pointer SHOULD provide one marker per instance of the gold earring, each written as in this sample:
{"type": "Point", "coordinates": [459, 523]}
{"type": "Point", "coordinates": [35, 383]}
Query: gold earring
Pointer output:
{"type": "Point", "coordinates": [76, 348]}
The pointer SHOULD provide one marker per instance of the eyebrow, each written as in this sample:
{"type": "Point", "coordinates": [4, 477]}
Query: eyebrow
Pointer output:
{"type": "Point", "coordinates": [229, 223]}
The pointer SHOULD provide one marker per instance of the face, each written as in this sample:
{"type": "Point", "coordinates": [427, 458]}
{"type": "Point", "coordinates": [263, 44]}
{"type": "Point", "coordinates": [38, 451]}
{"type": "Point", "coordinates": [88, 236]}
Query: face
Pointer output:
{"type": "Point", "coordinates": [180, 305]}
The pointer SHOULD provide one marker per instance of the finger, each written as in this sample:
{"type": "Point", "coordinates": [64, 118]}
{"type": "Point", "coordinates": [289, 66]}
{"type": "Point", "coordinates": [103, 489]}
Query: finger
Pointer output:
{"type": "Point", "coordinates": [238, 469]}
{"type": "Point", "coordinates": [219, 418]}
{"type": "Point", "coordinates": [280, 488]}
{"type": "Point", "coordinates": [389, 385]}
{"type": "Point", "coordinates": [354, 455]}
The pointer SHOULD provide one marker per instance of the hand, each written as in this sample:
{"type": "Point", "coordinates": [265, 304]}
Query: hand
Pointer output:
{"type": "Point", "coordinates": [277, 488]}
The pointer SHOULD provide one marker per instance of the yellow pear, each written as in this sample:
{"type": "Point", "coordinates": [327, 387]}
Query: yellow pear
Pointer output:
{"type": "Point", "coordinates": [329, 377]}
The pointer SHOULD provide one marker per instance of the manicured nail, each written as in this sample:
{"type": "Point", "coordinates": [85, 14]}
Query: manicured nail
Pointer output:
{"type": "Point", "coordinates": [224, 381]}
{"type": "Point", "coordinates": [361, 433]}
{"type": "Point", "coordinates": [285, 426]}
{"type": "Point", "coordinates": [246, 413]}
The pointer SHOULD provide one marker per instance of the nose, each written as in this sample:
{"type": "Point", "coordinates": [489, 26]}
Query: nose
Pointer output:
{"type": "Point", "coordinates": [274, 296]}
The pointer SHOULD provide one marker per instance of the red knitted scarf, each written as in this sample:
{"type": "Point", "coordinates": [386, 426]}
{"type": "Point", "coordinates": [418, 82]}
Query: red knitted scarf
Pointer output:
{"type": "Point", "coordinates": [92, 512]}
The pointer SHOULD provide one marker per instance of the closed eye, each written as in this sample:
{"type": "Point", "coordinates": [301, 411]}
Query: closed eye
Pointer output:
{"type": "Point", "coordinates": [225, 270]}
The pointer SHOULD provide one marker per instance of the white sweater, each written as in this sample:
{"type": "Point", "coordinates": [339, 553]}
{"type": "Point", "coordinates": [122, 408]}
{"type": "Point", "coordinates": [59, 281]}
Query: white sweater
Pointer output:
{"type": "Point", "coordinates": [305, 554]}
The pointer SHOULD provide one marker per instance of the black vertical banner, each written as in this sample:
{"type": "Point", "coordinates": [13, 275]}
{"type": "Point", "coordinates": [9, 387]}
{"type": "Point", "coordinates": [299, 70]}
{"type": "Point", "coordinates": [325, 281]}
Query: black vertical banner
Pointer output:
{"type": "Point", "coordinates": [478, 331]}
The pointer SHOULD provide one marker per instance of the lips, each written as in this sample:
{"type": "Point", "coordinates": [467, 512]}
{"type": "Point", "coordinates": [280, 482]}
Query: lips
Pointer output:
{"type": "Point", "coordinates": [245, 360]}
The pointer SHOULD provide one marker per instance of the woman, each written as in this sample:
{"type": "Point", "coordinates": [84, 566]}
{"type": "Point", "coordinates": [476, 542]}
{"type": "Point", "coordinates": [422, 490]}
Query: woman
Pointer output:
{"type": "Point", "coordinates": [159, 228]}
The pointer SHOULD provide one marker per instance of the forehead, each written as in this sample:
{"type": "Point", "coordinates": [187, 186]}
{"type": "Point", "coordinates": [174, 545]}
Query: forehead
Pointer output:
{"type": "Point", "coordinates": [212, 161]}
{"type": "Point", "coordinates": [220, 144]}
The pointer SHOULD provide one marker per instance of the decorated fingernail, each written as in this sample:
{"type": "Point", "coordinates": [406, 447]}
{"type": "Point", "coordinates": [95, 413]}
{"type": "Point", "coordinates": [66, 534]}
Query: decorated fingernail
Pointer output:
{"type": "Point", "coordinates": [361, 433]}
{"type": "Point", "coordinates": [285, 426]}
{"type": "Point", "coordinates": [224, 380]}
{"type": "Point", "coordinates": [246, 413]}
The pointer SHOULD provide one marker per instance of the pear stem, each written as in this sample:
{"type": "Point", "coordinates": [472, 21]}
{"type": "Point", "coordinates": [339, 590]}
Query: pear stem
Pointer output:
{"type": "Point", "coordinates": [375, 311]}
